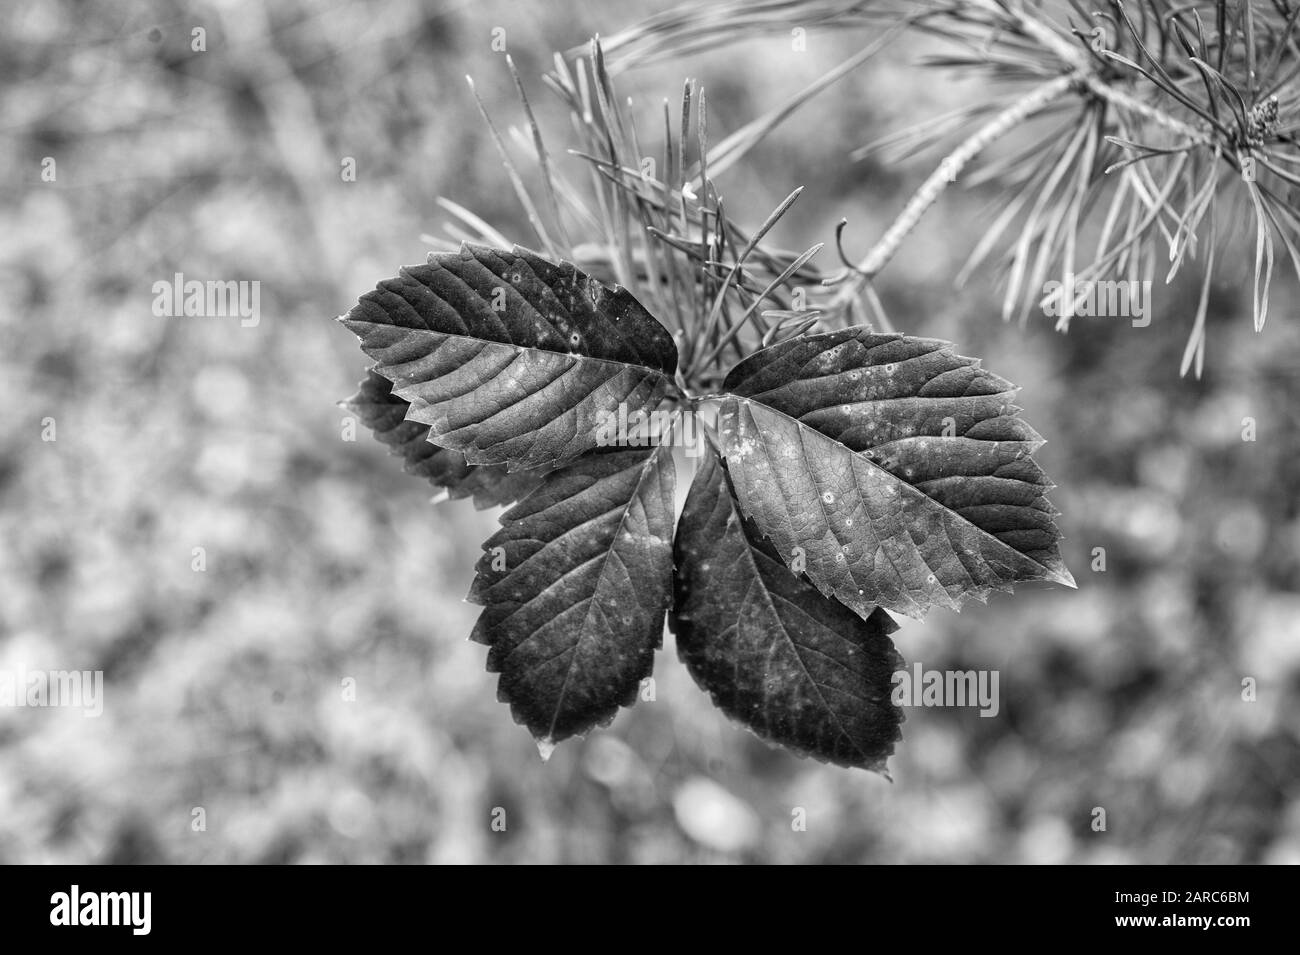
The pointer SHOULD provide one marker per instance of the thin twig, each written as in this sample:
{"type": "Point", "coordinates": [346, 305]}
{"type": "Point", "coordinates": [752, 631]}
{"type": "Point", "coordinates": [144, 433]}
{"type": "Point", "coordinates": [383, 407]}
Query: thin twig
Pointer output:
{"type": "Point", "coordinates": [937, 182]}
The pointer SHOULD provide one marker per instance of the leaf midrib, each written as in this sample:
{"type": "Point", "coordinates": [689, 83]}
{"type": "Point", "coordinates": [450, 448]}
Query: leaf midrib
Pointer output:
{"type": "Point", "coordinates": [1052, 574]}
{"type": "Point", "coordinates": [650, 464]}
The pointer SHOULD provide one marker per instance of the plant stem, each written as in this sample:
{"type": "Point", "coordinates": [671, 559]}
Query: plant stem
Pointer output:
{"type": "Point", "coordinates": [1081, 76]}
{"type": "Point", "coordinates": [937, 182]}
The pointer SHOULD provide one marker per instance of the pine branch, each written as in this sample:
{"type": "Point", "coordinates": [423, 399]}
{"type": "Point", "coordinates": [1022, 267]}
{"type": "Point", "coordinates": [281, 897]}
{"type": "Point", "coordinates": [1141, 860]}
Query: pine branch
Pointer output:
{"type": "Point", "coordinates": [1180, 112]}
{"type": "Point", "coordinates": [938, 180]}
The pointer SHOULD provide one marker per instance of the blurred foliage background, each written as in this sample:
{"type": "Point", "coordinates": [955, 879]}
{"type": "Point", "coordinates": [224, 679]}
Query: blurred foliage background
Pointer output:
{"type": "Point", "coordinates": [324, 561]}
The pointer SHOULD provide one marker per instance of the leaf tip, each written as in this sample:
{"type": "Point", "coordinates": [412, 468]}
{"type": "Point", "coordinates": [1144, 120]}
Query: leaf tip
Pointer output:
{"type": "Point", "coordinates": [545, 747]}
{"type": "Point", "coordinates": [1061, 575]}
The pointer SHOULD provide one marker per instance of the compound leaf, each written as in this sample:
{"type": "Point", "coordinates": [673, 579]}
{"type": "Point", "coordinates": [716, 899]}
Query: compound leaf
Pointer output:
{"type": "Point", "coordinates": [795, 667]}
{"type": "Point", "coordinates": [574, 588]}
{"type": "Point", "coordinates": [512, 359]}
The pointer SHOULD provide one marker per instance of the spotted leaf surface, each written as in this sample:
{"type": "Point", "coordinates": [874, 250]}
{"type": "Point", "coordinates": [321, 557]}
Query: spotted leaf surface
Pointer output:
{"type": "Point", "coordinates": [795, 667]}
{"type": "Point", "coordinates": [891, 470]}
{"type": "Point", "coordinates": [574, 588]}
{"type": "Point", "coordinates": [509, 358]}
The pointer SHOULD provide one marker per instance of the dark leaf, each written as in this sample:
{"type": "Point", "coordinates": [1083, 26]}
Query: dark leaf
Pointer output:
{"type": "Point", "coordinates": [797, 668]}
{"type": "Point", "coordinates": [490, 485]}
{"type": "Point", "coordinates": [895, 472]}
{"type": "Point", "coordinates": [512, 359]}
{"type": "Point", "coordinates": [574, 588]}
